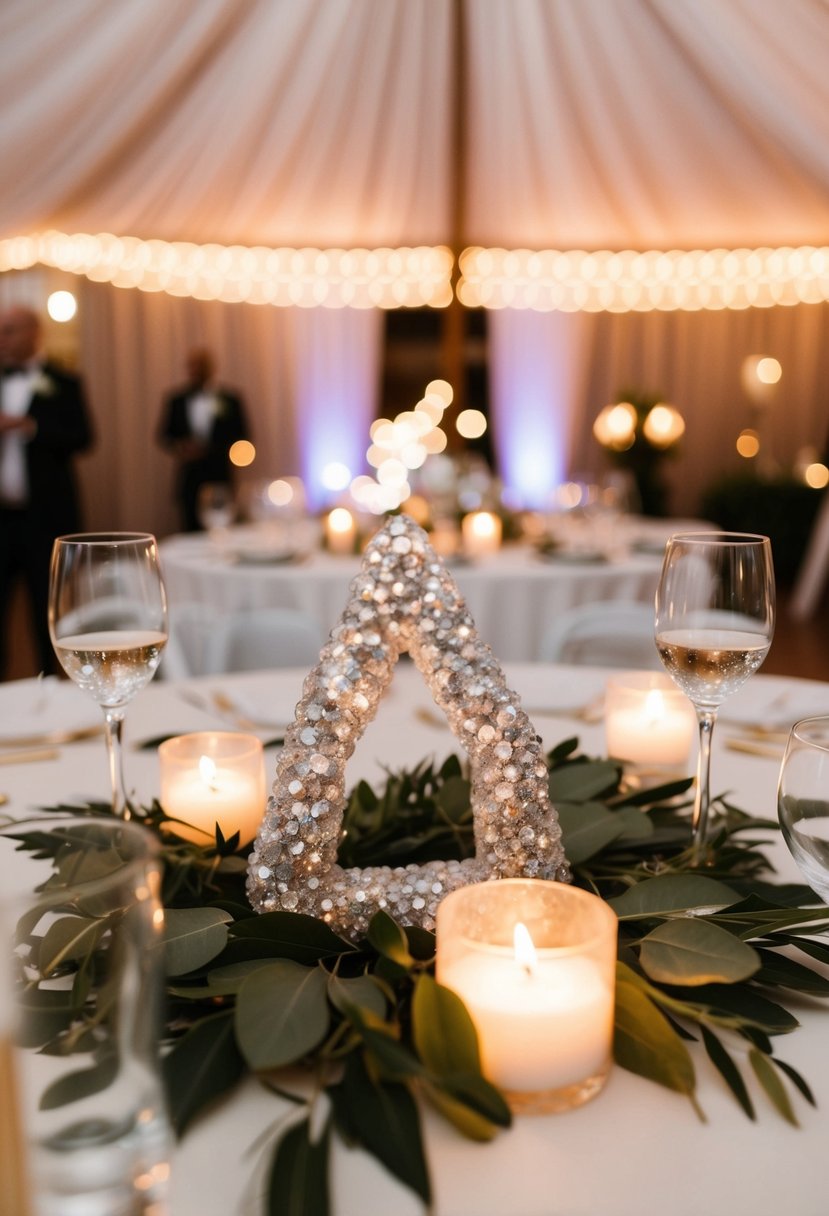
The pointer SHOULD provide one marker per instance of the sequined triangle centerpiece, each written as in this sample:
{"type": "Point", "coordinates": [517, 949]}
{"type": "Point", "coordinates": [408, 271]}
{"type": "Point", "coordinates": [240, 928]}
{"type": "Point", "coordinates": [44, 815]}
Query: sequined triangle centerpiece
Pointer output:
{"type": "Point", "coordinates": [403, 599]}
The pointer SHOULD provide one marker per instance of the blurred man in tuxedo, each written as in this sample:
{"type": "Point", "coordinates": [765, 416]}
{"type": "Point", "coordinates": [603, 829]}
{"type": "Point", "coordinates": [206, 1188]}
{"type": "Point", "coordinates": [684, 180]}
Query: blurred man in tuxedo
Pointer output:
{"type": "Point", "coordinates": [44, 421]}
{"type": "Point", "coordinates": [200, 422]}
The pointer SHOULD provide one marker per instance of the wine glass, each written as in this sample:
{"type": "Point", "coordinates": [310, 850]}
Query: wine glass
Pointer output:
{"type": "Point", "coordinates": [803, 800]}
{"type": "Point", "coordinates": [108, 624]}
{"type": "Point", "coordinates": [714, 625]}
{"type": "Point", "coordinates": [216, 506]}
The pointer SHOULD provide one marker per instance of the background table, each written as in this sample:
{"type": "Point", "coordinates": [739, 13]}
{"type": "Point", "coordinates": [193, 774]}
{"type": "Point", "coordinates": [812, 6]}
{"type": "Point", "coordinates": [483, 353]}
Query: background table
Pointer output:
{"type": "Point", "coordinates": [635, 1148]}
{"type": "Point", "coordinates": [513, 595]}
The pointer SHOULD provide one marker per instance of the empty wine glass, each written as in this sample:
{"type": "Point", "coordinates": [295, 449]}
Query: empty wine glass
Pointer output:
{"type": "Point", "coordinates": [216, 505]}
{"type": "Point", "coordinates": [803, 800]}
{"type": "Point", "coordinates": [108, 623]}
{"type": "Point", "coordinates": [714, 626]}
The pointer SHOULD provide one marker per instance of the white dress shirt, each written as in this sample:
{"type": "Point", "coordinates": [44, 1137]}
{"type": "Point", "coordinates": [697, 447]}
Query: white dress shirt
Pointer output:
{"type": "Point", "coordinates": [15, 395]}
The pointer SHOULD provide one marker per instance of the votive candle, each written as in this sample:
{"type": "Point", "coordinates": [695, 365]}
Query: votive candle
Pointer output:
{"type": "Point", "coordinates": [212, 777]}
{"type": "Point", "coordinates": [648, 720]}
{"type": "Point", "coordinates": [481, 533]}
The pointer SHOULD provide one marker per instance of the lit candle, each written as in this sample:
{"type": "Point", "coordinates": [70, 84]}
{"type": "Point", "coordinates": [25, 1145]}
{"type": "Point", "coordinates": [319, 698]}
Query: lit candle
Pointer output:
{"type": "Point", "coordinates": [213, 777]}
{"type": "Point", "coordinates": [340, 531]}
{"type": "Point", "coordinates": [648, 720]}
{"type": "Point", "coordinates": [541, 1000]}
{"type": "Point", "coordinates": [481, 533]}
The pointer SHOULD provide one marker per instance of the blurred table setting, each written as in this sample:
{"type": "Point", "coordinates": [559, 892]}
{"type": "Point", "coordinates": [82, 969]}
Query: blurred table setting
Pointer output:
{"type": "Point", "coordinates": [214, 1167]}
{"type": "Point", "coordinates": [514, 589]}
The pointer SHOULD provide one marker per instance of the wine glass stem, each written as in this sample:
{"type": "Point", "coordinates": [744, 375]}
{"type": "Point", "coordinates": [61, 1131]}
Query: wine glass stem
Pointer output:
{"type": "Point", "coordinates": [114, 719]}
{"type": "Point", "coordinates": [699, 823]}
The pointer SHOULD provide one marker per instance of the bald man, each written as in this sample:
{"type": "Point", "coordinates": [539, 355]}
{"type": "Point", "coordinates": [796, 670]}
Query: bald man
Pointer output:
{"type": "Point", "coordinates": [44, 421]}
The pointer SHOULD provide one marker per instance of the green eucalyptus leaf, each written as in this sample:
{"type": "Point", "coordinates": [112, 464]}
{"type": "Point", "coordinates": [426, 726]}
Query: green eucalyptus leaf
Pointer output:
{"type": "Point", "coordinates": [644, 1043]}
{"type": "Point", "coordinates": [579, 781]}
{"type": "Point", "coordinates": [453, 799]}
{"type": "Point", "coordinates": [767, 1075]}
{"type": "Point", "coordinates": [727, 1069]}
{"type": "Point", "coordinates": [74, 1086]}
{"type": "Point", "coordinates": [796, 1080]}
{"type": "Point", "coordinates": [693, 951]}
{"type": "Point", "coordinates": [586, 829]}
{"type": "Point", "coordinates": [281, 1014]}
{"type": "Point", "coordinates": [384, 1120]}
{"type": "Point", "coordinates": [477, 1095]}
{"type": "Point", "coordinates": [779, 971]}
{"type": "Point", "coordinates": [388, 939]}
{"type": "Point", "coordinates": [634, 824]}
{"type": "Point", "coordinates": [67, 939]}
{"type": "Point", "coordinates": [671, 893]}
{"type": "Point", "coordinates": [444, 1033]}
{"type": "Point", "coordinates": [298, 1178]}
{"type": "Point", "coordinates": [44, 1013]}
{"type": "Point", "coordinates": [360, 991]}
{"type": "Point", "coordinates": [192, 937]}
{"type": "Point", "coordinates": [201, 1067]}
{"type": "Point", "coordinates": [291, 935]}
{"type": "Point", "coordinates": [742, 1005]}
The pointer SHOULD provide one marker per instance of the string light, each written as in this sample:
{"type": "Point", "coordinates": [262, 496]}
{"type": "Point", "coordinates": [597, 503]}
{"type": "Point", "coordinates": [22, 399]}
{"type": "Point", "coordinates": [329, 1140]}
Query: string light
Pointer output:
{"type": "Point", "coordinates": [306, 278]}
{"type": "Point", "coordinates": [415, 277]}
{"type": "Point", "coordinates": [630, 281]}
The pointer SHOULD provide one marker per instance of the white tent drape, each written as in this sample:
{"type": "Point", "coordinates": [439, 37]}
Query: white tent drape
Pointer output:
{"type": "Point", "coordinates": [587, 123]}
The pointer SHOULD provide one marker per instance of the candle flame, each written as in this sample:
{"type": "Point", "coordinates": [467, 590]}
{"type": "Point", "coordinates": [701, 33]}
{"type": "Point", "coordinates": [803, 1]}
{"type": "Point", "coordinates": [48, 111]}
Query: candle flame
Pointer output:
{"type": "Point", "coordinates": [483, 524]}
{"type": "Point", "coordinates": [525, 953]}
{"type": "Point", "coordinates": [207, 771]}
{"type": "Point", "coordinates": [654, 706]}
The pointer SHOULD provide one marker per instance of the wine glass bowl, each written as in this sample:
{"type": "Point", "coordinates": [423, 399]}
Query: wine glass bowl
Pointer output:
{"type": "Point", "coordinates": [108, 624]}
{"type": "Point", "coordinates": [803, 801]}
{"type": "Point", "coordinates": [714, 625]}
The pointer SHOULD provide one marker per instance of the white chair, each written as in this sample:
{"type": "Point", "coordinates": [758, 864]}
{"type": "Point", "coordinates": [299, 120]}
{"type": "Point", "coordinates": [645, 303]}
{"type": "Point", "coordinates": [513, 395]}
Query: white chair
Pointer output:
{"type": "Point", "coordinates": [262, 638]}
{"type": "Point", "coordinates": [191, 627]}
{"type": "Point", "coordinates": [612, 633]}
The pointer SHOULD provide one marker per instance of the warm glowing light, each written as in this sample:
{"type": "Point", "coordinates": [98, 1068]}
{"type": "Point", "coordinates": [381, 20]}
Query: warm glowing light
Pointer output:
{"type": "Point", "coordinates": [207, 770]}
{"type": "Point", "coordinates": [61, 306]}
{"type": "Point", "coordinates": [242, 453]}
{"type": "Point", "coordinates": [418, 508]}
{"type": "Point", "coordinates": [335, 476]}
{"type": "Point", "coordinates": [628, 280]}
{"type": "Point", "coordinates": [525, 951]}
{"type": "Point", "coordinates": [816, 476]}
{"type": "Point", "coordinates": [615, 426]}
{"type": "Point", "coordinates": [769, 371]}
{"type": "Point", "coordinates": [748, 444]}
{"type": "Point", "coordinates": [663, 426]}
{"type": "Point", "coordinates": [280, 492]}
{"type": "Point", "coordinates": [471, 424]}
{"type": "Point", "coordinates": [432, 407]}
{"type": "Point", "coordinates": [307, 278]}
{"type": "Point", "coordinates": [441, 389]}
{"type": "Point", "coordinates": [341, 520]}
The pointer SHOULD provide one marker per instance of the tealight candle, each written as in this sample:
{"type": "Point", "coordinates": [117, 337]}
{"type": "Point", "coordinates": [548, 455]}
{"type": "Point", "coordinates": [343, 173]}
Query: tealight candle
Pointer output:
{"type": "Point", "coordinates": [213, 777]}
{"type": "Point", "coordinates": [648, 720]}
{"type": "Point", "coordinates": [481, 533]}
{"type": "Point", "coordinates": [534, 963]}
{"type": "Point", "coordinates": [340, 531]}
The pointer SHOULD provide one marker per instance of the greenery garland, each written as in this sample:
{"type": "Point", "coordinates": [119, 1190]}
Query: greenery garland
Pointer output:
{"type": "Point", "coordinates": [706, 955]}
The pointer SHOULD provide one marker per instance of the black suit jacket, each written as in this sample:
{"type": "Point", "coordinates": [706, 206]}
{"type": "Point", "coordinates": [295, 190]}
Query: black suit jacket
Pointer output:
{"type": "Point", "coordinates": [229, 424]}
{"type": "Point", "coordinates": [58, 407]}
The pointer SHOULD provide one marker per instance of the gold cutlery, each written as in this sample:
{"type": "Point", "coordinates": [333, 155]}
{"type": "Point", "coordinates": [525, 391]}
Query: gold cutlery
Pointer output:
{"type": "Point", "coordinates": [29, 754]}
{"type": "Point", "coordinates": [52, 738]}
{"type": "Point", "coordinates": [753, 747]}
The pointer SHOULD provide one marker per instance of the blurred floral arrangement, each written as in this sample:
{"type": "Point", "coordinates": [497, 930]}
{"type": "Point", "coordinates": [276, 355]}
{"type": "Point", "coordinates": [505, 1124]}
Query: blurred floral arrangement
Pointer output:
{"type": "Point", "coordinates": [638, 431]}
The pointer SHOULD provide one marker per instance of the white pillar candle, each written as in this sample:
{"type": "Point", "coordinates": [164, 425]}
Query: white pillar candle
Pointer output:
{"type": "Point", "coordinates": [213, 777]}
{"type": "Point", "coordinates": [481, 533]}
{"type": "Point", "coordinates": [648, 720]}
{"type": "Point", "coordinates": [544, 1012]}
{"type": "Point", "coordinates": [340, 531]}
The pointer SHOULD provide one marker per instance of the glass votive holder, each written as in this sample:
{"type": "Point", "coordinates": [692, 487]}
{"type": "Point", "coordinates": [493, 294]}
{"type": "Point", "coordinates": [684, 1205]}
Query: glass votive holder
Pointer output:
{"type": "Point", "coordinates": [648, 720]}
{"type": "Point", "coordinates": [481, 532]}
{"type": "Point", "coordinates": [534, 963]}
{"type": "Point", "coordinates": [213, 777]}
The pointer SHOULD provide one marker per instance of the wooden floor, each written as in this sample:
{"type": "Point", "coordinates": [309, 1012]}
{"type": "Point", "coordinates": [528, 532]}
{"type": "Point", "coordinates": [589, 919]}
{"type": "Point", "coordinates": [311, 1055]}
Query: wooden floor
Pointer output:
{"type": "Point", "coordinates": [799, 648]}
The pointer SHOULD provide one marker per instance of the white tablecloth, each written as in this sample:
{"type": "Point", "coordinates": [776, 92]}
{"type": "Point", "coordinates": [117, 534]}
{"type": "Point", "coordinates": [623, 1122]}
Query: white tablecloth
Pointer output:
{"type": "Point", "coordinates": [637, 1147]}
{"type": "Point", "coordinates": [513, 596]}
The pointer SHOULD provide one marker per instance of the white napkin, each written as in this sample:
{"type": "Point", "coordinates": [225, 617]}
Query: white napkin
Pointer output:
{"type": "Point", "coordinates": [779, 708]}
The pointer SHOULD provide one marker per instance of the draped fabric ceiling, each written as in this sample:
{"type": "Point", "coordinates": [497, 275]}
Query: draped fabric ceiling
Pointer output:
{"type": "Point", "coordinates": [586, 124]}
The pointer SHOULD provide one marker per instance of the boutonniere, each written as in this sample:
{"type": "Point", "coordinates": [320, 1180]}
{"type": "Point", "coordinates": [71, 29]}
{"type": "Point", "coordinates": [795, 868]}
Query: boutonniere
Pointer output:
{"type": "Point", "coordinates": [44, 386]}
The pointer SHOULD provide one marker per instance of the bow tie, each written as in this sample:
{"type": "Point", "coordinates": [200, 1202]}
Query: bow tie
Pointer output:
{"type": "Point", "coordinates": [14, 371]}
